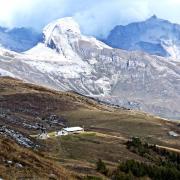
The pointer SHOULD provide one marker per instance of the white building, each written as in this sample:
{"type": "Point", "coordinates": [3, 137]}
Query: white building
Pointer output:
{"type": "Point", "coordinates": [172, 133]}
{"type": "Point", "coordinates": [70, 130]}
{"type": "Point", "coordinates": [43, 136]}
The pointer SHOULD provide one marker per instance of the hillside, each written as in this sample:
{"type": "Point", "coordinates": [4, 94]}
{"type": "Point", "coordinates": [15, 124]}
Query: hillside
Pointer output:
{"type": "Point", "coordinates": [23, 106]}
{"type": "Point", "coordinates": [17, 162]}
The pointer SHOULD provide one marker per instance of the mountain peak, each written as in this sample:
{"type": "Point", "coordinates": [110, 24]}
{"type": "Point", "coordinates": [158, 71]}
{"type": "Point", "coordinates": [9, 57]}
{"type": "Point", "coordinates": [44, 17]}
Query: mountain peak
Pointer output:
{"type": "Point", "coordinates": [155, 36]}
{"type": "Point", "coordinates": [153, 17]}
{"type": "Point", "coordinates": [65, 25]}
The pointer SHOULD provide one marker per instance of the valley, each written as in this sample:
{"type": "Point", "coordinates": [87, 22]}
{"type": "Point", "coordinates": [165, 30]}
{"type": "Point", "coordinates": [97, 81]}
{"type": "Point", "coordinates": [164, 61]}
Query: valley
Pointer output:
{"type": "Point", "coordinates": [23, 106]}
{"type": "Point", "coordinates": [81, 107]}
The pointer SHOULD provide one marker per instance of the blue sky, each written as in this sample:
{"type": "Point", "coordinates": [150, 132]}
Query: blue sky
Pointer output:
{"type": "Point", "coordinates": [96, 17]}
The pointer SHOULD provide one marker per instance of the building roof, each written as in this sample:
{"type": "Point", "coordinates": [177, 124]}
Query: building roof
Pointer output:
{"type": "Point", "coordinates": [172, 133]}
{"type": "Point", "coordinates": [72, 129]}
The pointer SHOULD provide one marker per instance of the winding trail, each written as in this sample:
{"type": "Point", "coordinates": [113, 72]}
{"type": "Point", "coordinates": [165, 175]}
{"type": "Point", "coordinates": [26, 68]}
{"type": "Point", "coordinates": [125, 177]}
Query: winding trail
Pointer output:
{"type": "Point", "coordinates": [126, 139]}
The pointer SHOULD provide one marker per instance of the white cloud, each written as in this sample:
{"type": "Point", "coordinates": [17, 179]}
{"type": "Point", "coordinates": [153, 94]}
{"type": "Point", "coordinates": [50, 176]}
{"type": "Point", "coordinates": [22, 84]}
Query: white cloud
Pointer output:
{"type": "Point", "coordinates": [100, 19]}
{"type": "Point", "coordinates": [96, 17]}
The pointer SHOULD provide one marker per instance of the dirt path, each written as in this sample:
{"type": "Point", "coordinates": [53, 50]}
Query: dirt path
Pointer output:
{"type": "Point", "coordinates": [169, 148]}
{"type": "Point", "coordinates": [120, 138]}
{"type": "Point", "coordinates": [125, 139]}
{"type": "Point", "coordinates": [107, 135]}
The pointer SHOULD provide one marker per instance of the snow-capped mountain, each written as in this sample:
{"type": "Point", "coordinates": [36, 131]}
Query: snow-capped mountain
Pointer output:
{"type": "Point", "coordinates": [68, 60]}
{"type": "Point", "coordinates": [18, 39]}
{"type": "Point", "coordinates": [154, 36]}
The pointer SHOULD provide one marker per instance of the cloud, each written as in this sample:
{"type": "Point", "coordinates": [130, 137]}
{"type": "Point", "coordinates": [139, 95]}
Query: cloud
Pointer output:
{"type": "Point", "coordinates": [99, 20]}
{"type": "Point", "coordinates": [96, 17]}
{"type": "Point", "coordinates": [37, 13]}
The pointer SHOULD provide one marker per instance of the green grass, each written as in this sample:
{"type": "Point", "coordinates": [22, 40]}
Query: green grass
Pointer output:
{"type": "Point", "coordinates": [89, 147]}
{"type": "Point", "coordinates": [126, 124]}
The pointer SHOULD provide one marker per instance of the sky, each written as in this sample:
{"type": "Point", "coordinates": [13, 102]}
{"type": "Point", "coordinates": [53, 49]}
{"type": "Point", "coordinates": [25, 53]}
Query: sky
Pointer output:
{"type": "Point", "coordinates": [96, 17]}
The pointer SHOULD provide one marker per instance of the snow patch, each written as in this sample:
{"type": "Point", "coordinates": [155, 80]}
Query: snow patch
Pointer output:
{"type": "Point", "coordinates": [6, 73]}
{"type": "Point", "coordinates": [64, 25]}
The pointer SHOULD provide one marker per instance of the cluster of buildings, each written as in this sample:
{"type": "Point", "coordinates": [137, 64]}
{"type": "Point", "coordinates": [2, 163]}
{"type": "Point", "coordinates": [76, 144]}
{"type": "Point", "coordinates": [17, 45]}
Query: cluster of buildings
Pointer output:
{"type": "Point", "coordinates": [63, 132]}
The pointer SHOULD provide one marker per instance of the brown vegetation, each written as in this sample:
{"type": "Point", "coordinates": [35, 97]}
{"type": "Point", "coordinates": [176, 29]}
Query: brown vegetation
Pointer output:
{"type": "Point", "coordinates": [111, 127]}
{"type": "Point", "coordinates": [20, 163]}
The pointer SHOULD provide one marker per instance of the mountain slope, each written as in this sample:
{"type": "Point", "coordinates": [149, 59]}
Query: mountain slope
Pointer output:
{"type": "Point", "coordinates": [17, 162]}
{"type": "Point", "coordinates": [68, 60]}
{"type": "Point", "coordinates": [154, 36]}
{"type": "Point", "coordinates": [18, 39]}
{"type": "Point", "coordinates": [25, 106]}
